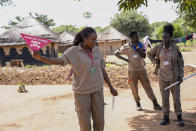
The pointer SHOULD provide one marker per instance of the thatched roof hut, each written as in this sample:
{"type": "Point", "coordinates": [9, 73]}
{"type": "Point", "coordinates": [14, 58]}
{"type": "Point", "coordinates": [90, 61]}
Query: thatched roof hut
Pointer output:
{"type": "Point", "coordinates": [13, 46]}
{"type": "Point", "coordinates": [29, 26]}
{"type": "Point", "coordinates": [66, 37]}
{"type": "Point", "coordinates": [110, 40]}
{"type": "Point", "coordinates": [112, 35]}
{"type": "Point", "coordinates": [66, 41]}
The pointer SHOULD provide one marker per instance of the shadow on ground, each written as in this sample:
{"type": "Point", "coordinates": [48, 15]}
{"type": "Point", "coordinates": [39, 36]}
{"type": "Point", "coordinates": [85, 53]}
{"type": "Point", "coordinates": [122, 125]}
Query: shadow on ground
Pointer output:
{"type": "Point", "coordinates": [150, 121]}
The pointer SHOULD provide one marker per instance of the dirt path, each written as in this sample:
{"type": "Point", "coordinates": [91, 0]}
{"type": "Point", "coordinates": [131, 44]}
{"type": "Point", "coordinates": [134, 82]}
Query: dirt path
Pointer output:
{"type": "Point", "coordinates": [51, 108]}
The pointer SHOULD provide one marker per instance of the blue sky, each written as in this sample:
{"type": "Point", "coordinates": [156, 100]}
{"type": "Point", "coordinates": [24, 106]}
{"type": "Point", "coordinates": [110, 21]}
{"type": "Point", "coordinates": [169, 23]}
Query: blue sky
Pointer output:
{"type": "Point", "coordinates": [70, 11]}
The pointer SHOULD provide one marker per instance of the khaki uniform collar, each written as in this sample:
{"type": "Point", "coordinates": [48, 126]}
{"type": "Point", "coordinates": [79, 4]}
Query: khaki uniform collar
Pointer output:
{"type": "Point", "coordinates": [171, 44]}
{"type": "Point", "coordinates": [81, 48]}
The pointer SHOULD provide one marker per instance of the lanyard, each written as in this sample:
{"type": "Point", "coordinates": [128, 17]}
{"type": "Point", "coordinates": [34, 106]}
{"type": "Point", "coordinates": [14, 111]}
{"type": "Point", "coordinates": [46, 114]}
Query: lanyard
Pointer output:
{"type": "Point", "coordinates": [91, 57]}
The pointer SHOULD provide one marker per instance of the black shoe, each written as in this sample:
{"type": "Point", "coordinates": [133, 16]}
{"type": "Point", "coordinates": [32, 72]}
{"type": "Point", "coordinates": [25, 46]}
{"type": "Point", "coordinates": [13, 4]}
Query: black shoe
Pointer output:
{"type": "Point", "coordinates": [156, 105]}
{"type": "Point", "coordinates": [180, 121]}
{"type": "Point", "coordinates": [138, 106]}
{"type": "Point", "coordinates": [165, 120]}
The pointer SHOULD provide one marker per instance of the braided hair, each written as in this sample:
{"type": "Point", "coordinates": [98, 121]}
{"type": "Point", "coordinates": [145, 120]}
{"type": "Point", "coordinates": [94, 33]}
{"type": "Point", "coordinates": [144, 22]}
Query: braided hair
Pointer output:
{"type": "Point", "coordinates": [83, 33]}
{"type": "Point", "coordinates": [133, 33]}
{"type": "Point", "coordinates": [168, 29]}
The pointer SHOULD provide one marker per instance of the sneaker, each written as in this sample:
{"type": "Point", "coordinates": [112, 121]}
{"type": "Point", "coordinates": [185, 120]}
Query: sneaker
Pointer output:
{"type": "Point", "coordinates": [156, 105]}
{"type": "Point", "coordinates": [165, 120]}
{"type": "Point", "coordinates": [138, 106]}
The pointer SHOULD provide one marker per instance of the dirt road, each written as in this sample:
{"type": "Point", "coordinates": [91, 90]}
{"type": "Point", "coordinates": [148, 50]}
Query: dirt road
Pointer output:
{"type": "Point", "coordinates": [51, 108]}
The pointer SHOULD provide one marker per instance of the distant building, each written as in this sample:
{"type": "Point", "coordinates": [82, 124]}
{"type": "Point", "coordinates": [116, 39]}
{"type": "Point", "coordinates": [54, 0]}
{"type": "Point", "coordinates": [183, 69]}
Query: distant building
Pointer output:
{"type": "Point", "coordinates": [66, 41]}
{"type": "Point", "coordinates": [111, 40]}
{"type": "Point", "coordinates": [12, 45]}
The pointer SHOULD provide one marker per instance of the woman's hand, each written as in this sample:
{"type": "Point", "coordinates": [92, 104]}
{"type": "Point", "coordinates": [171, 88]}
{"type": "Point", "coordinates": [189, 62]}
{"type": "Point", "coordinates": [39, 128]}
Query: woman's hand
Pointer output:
{"type": "Point", "coordinates": [180, 79]}
{"type": "Point", "coordinates": [36, 55]}
{"type": "Point", "coordinates": [113, 91]}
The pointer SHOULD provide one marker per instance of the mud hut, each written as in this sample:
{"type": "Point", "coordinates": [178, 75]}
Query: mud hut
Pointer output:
{"type": "Point", "coordinates": [66, 41]}
{"type": "Point", "coordinates": [110, 40]}
{"type": "Point", "coordinates": [12, 45]}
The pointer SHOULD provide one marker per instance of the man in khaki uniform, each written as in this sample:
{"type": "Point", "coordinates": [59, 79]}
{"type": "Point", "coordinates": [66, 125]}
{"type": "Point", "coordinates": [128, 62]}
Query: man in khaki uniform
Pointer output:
{"type": "Point", "coordinates": [136, 54]}
{"type": "Point", "coordinates": [170, 64]}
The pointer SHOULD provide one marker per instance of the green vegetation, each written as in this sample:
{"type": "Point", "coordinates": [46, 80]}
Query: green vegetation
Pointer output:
{"type": "Point", "coordinates": [40, 17]}
{"type": "Point", "coordinates": [188, 46]}
{"type": "Point", "coordinates": [30, 66]}
{"type": "Point", "coordinates": [129, 21]}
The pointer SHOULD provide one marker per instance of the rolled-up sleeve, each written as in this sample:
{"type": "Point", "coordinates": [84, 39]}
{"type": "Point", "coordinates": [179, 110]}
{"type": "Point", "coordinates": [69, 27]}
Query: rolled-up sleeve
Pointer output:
{"type": "Point", "coordinates": [122, 50]}
{"type": "Point", "coordinates": [65, 59]}
{"type": "Point", "coordinates": [152, 54]}
{"type": "Point", "coordinates": [67, 56]}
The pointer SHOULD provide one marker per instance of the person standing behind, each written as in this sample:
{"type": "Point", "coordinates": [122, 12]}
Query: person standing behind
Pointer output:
{"type": "Point", "coordinates": [89, 75]}
{"type": "Point", "coordinates": [168, 58]}
{"type": "Point", "coordinates": [136, 54]}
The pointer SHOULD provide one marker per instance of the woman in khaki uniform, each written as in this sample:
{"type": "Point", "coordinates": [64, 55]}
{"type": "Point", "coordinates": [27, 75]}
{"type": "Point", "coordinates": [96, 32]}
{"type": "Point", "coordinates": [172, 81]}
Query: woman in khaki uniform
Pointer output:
{"type": "Point", "coordinates": [136, 69]}
{"type": "Point", "coordinates": [89, 74]}
{"type": "Point", "coordinates": [169, 61]}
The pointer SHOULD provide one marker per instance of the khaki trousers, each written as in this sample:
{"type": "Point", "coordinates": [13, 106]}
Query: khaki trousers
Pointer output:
{"type": "Point", "coordinates": [134, 76]}
{"type": "Point", "coordinates": [175, 90]}
{"type": "Point", "coordinates": [87, 105]}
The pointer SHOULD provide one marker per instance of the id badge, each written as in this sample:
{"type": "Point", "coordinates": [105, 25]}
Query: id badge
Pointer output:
{"type": "Point", "coordinates": [93, 70]}
{"type": "Point", "coordinates": [165, 63]}
{"type": "Point", "coordinates": [135, 56]}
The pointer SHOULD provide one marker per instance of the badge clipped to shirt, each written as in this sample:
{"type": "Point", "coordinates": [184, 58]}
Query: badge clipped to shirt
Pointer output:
{"type": "Point", "coordinates": [165, 63]}
{"type": "Point", "coordinates": [135, 56]}
{"type": "Point", "coordinates": [93, 70]}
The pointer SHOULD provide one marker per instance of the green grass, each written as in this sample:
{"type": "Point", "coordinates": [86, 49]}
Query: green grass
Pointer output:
{"type": "Point", "coordinates": [30, 66]}
{"type": "Point", "coordinates": [45, 66]}
{"type": "Point", "coordinates": [108, 65]}
{"type": "Point", "coordinates": [111, 65]}
{"type": "Point", "coordinates": [188, 46]}
{"type": "Point", "coordinates": [60, 54]}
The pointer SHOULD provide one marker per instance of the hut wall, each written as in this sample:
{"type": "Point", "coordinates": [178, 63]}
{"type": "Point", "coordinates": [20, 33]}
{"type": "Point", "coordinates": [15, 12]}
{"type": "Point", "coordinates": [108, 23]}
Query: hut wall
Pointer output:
{"type": "Point", "coordinates": [108, 48]}
{"type": "Point", "coordinates": [25, 53]}
{"type": "Point", "coordinates": [62, 49]}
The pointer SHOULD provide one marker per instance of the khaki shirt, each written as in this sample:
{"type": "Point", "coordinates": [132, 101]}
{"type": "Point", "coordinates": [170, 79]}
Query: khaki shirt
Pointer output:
{"type": "Point", "coordinates": [136, 62]}
{"type": "Point", "coordinates": [178, 62]}
{"type": "Point", "coordinates": [83, 81]}
{"type": "Point", "coordinates": [166, 64]}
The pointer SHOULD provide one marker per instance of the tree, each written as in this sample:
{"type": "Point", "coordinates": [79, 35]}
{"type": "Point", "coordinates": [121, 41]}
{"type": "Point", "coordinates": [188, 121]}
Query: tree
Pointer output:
{"type": "Point", "coordinates": [178, 32]}
{"type": "Point", "coordinates": [156, 29]}
{"type": "Point", "coordinates": [5, 2]}
{"type": "Point", "coordinates": [183, 5]}
{"type": "Point", "coordinates": [87, 15]}
{"type": "Point", "coordinates": [183, 25]}
{"type": "Point", "coordinates": [43, 19]}
{"type": "Point", "coordinates": [13, 23]}
{"type": "Point", "coordinates": [99, 29]}
{"type": "Point", "coordinates": [190, 20]}
{"type": "Point", "coordinates": [186, 8]}
{"type": "Point", "coordinates": [40, 17]}
{"type": "Point", "coordinates": [129, 21]}
{"type": "Point", "coordinates": [69, 28]}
